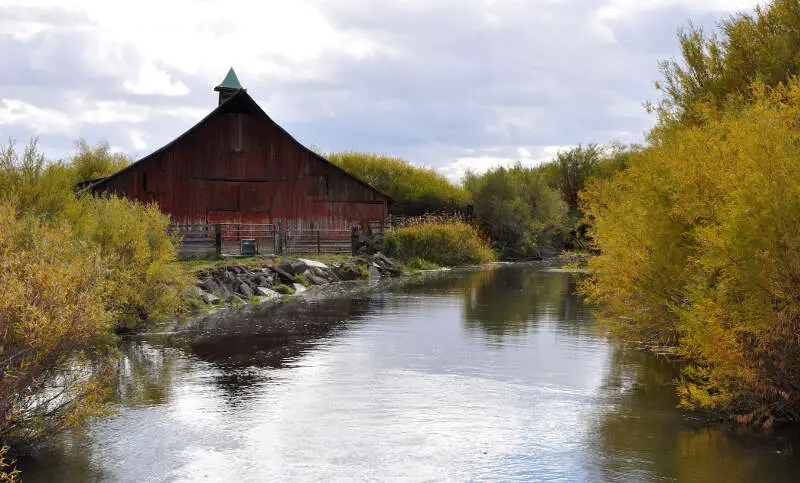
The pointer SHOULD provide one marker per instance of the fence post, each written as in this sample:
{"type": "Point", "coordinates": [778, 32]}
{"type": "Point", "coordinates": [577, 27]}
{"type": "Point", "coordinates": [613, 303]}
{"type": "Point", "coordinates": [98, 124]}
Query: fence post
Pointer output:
{"type": "Point", "coordinates": [285, 248]}
{"type": "Point", "coordinates": [218, 239]}
{"type": "Point", "coordinates": [354, 240]}
{"type": "Point", "coordinates": [318, 244]}
{"type": "Point", "coordinates": [278, 237]}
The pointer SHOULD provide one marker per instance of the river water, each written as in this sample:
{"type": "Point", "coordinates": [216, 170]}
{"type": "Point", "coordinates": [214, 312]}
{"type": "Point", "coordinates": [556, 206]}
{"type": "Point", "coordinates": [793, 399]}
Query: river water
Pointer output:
{"type": "Point", "coordinates": [474, 375]}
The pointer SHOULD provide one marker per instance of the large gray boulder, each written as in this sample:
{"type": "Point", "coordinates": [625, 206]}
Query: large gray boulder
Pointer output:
{"type": "Point", "coordinates": [268, 293]}
{"type": "Point", "coordinates": [287, 267]}
{"type": "Point", "coordinates": [347, 271]}
{"type": "Point", "coordinates": [312, 263]}
{"type": "Point", "coordinates": [313, 278]}
{"type": "Point", "coordinates": [298, 267]}
{"type": "Point", "coordinates": [285, 276]}
{"type": "Point", "coordinates": [245, 290]}
{"type": "Point", "coordinates": [208, 298]}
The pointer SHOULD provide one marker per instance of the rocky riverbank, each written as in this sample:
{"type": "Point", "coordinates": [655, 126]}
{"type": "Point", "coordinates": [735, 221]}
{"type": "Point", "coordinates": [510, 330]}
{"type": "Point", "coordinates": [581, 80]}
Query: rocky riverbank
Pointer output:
{"type": "Point", "coordinates": [240, 284]}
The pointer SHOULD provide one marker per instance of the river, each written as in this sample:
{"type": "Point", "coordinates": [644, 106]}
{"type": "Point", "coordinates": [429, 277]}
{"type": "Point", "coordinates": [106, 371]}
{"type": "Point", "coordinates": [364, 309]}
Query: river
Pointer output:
{"type": "Point", "coordinates": [473, 375]}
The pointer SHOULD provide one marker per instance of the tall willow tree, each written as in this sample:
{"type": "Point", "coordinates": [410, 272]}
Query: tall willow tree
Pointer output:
{"type": "Point", "coordinates": [700, 250]}
{"type": "Point", "coordinates": [699, 237]}
{"type": "Point", "coordinates": [763, 46]}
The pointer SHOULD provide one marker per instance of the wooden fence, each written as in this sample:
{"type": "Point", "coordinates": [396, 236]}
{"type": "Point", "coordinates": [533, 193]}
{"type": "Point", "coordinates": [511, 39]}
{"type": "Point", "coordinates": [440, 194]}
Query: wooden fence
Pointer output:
{"type": "Point", "coordinates": [233, 239]}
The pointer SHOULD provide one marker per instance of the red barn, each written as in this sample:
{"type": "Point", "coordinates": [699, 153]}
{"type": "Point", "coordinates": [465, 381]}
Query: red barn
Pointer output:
{"type": "Point", "coordinates": [238, 166]}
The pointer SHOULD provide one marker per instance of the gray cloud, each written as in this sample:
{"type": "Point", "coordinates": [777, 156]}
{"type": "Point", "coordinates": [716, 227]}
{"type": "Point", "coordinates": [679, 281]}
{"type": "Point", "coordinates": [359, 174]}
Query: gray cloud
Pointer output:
{"type": "Point", "coordinates": [451, 78]}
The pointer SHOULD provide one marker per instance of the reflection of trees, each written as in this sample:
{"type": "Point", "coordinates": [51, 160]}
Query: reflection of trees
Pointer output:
{"type": "Point", "coordinates": [144, 374]}
{"type": "Point", "coordinates": [641, 436]}
{"type": "Point", "coordinates": [66, 458]}
{"type": "Point", "coordinates": [510, 300]}
{"type": "Point", "coordinates": [445, 283]}
{"type": "Point", "coordinates": [241, 345]}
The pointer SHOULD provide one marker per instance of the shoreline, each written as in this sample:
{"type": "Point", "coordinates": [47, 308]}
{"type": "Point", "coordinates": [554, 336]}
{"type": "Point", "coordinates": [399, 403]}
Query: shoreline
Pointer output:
{"type": "Point", "coordinates": [214, 314]}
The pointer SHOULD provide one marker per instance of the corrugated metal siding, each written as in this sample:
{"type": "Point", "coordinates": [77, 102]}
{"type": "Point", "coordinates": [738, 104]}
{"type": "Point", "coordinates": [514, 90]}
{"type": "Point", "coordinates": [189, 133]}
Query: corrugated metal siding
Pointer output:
{"type": "Point", "coordinates": [240, 167]}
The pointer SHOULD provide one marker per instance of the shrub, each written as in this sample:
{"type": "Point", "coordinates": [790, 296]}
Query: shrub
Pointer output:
{"type": "Point", "coordinates": [8, 474]}
{"type": "Point", "coordinates": [146, 285]}
{"type": "Point", "coordinates": [32, 185]}
{"type": "Point", "coordinates": [700, 250]}
{"type": "Point", "coordinates": [444, 244]}
{"type": "Point", "coordinates": [72, 269]}
{"type": "Point", "coordinates": [719, 68]}
{"type": "Point", "coordinates": [93, 162]}
{"type": "Point", "coordinates": [54, 325]}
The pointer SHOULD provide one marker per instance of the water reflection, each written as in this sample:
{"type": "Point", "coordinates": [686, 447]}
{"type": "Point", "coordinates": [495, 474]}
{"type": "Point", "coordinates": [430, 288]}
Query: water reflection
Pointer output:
{"type": "Point", "coordinates": [509, 301]}
{"type": "Point", "coordinates": [639, 434]}
{"type": "Point", "coordinates": [144, 374]}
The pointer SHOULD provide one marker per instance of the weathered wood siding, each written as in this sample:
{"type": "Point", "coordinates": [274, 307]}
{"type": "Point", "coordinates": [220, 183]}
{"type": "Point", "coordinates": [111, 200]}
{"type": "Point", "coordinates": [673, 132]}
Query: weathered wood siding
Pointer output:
{"type": "Point", "coordinates": [238, 166]}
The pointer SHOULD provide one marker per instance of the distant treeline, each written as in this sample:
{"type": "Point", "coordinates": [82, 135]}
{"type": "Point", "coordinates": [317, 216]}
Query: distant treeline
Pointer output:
{"type": "Point", "coordinates": [520, 210]}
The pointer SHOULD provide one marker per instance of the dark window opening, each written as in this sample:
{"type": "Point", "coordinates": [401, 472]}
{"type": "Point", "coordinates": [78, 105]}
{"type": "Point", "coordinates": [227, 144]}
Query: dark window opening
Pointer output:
{"type": "Point", "coordinates": [323, 186]}
{"type": "Point", "coordinates": [317, 185]}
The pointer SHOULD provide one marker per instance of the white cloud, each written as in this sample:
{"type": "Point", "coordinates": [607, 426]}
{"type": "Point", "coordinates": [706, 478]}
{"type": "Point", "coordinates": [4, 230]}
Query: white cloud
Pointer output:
{"type": "Point", "coordinates": [261, 39]}
{"type": "Point", "coordinates": [41, 120]}
{"type": "Point", "coordinates": [82, 112]}
{"type": "Point", "coordinates": [23, 30]}
{"type": "Point", "coordinates": [456, 170]}
{"type": "Point", "coordinates": [137, 139]}
{"type": "Point", "coordinates": [151, 80]}
{"type": "Point", "coordinates": [615, 9]}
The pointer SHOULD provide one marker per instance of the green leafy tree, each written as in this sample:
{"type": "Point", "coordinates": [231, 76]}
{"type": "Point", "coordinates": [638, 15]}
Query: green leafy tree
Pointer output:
{"type": "Point", "coordinates": [517, 210]}
{"type": "Point", "coordinates": [575, 167]}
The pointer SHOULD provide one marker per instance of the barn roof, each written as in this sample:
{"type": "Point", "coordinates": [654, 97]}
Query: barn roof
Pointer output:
{"type": "Point", "coordinates": [240, 101]}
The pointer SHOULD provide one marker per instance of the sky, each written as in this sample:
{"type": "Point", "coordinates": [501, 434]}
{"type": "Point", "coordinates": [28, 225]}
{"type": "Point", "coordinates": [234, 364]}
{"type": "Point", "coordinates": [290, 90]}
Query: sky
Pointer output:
{"type": "Point", "coordinates": [449, 84]}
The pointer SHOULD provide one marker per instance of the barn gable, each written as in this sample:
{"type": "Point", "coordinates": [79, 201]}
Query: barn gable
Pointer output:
{"type": "Point", "coordinates": [237, 165]}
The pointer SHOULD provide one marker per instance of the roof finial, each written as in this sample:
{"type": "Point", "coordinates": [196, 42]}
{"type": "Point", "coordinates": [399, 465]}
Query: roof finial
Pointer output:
{"type": "Point", "coordinates": [229, 86]}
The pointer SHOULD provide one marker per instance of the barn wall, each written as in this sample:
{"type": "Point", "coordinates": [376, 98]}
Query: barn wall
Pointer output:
{"type": "Point", "coordinates": [240, 167]}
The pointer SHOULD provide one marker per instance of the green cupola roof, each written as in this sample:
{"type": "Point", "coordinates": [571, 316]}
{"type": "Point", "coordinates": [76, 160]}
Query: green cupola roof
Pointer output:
{"type": "Point", "coordinates": [230, 82]}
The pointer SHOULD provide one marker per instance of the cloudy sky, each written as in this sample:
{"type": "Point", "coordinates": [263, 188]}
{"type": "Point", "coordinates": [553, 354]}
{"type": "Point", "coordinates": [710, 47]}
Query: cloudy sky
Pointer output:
{"type": "Point", "coordinates": [452, 84]}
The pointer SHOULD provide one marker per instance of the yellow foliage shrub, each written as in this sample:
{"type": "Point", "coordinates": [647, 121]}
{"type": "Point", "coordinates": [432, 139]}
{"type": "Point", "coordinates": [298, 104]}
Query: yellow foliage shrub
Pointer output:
{"type": "Point", "coordinates": [72, 271]}
{"type": "Point", "coordinates": [445, 244]}
{"type": "Point", "coordinates": [53, 322]}
{"type": "Point", "coordinates": [145, 283]}
{"type": "Point", "coordinates": [700, 249]}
